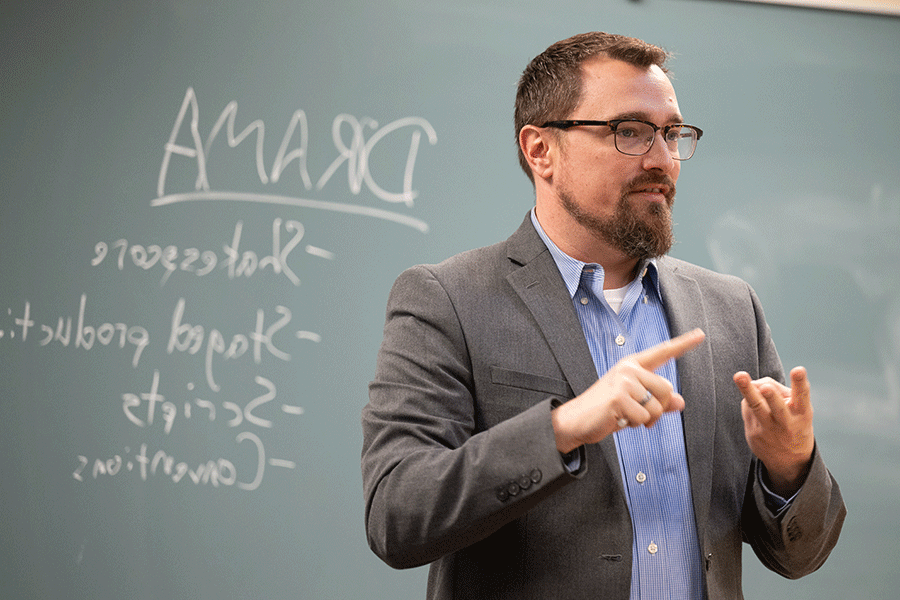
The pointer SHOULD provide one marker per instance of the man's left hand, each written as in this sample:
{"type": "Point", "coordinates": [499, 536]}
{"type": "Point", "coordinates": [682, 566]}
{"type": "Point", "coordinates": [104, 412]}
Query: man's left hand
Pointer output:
{"type": "Point", "coordinates": [778, 427]}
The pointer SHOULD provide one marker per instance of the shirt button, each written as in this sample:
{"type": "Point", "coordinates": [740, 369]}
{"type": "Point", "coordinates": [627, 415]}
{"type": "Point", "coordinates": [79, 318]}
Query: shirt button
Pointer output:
{"type": "Point", "coordinates": [641, 478]}
{"type": "Point", "coordinates": [652, 548]}
{"type": "Point", "coordinates": [620, 340]}
{"type": "Point", "coordinates": [584, 300]}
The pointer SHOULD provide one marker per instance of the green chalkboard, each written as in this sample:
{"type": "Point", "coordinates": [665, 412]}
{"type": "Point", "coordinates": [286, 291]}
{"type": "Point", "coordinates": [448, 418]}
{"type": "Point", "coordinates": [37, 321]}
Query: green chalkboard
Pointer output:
{"type": "Point", "coordinates": [203, 205]}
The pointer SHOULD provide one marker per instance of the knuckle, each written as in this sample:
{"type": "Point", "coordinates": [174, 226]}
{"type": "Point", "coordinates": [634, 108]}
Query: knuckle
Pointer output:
{"type": "Point", "coordinates": [628, 365]}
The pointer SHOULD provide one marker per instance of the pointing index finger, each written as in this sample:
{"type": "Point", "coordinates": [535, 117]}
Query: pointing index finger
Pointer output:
{"type": "Point", "coordinates": [655, 357]}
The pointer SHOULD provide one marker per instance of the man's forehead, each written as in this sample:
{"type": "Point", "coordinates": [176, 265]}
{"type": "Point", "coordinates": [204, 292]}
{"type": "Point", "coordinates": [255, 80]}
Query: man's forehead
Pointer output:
{"type": "Point", "coordinates": [626, 91]}
{"type": "Point", "coordinates": [603, 67]}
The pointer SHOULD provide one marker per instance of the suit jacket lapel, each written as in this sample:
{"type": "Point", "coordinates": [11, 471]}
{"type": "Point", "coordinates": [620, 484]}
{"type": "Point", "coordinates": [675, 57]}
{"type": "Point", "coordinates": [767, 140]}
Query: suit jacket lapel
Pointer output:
{"type": "Point", "coordinates": [685, 311]}
{"type": "Point", "coordinates": [535, 277]}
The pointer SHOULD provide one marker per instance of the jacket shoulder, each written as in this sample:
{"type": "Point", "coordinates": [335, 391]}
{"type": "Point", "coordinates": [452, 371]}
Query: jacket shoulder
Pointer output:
{"type": "Point", "coordinates": [484, 266]}
{"type": "Point", "coordinates": [694, 271]}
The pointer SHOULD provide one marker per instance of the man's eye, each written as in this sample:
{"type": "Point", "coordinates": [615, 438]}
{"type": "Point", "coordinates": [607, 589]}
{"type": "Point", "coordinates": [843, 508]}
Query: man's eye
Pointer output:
{"type": "Point", "coordinates": [674, 134]}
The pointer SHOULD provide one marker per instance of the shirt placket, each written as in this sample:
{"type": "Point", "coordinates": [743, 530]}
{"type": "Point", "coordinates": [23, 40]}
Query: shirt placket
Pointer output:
{"type": "Point", "coordinates": [633, 444]}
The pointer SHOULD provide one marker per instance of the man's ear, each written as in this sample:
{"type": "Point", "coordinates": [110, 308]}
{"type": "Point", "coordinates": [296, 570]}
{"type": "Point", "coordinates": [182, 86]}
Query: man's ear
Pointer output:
{"type": "Point", "coordinates": [536, 144]}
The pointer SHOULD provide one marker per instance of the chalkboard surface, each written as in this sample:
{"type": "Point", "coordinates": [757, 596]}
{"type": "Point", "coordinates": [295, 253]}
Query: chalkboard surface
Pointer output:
{"type": "Point", "coordinates": [204, 205]}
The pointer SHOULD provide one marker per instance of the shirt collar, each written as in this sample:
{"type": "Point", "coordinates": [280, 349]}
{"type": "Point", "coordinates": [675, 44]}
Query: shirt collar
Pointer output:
{"type": "Point", "coordinates": [572, 268]}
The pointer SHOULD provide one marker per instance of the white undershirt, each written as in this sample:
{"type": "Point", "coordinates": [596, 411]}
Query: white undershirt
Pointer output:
{"type": "Point", "coordinates": [615, 297]}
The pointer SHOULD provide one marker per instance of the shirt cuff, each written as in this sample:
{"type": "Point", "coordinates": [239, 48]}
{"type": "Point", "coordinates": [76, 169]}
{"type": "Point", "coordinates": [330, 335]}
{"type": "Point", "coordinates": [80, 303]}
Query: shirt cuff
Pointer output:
{"type": "Point", "coordinates": [776, 504]}
{"type": "Point", "coordinates": [573, 460]}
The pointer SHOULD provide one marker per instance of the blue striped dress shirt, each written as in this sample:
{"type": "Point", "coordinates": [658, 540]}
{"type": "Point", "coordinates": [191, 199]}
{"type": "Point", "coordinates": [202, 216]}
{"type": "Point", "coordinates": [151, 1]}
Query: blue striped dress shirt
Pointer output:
{"type": "Point", "coordinates": [666, 553]}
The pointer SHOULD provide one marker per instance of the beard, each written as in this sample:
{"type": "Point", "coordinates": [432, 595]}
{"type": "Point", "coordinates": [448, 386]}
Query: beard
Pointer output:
{"type": "Point", "coordinates": [638, 232]}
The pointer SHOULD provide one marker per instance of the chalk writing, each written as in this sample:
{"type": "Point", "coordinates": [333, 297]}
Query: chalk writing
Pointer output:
{"type": "Point", "coordinates": [235, 415]}
{"type": "Point", "coordinates": [85, 336]}
{"type": "Point", "coordinates": [140, 409]}
{"type": "Point", "coordinates": [354, 154]}
{"type": "Point", "coordinates": [256, 342]}
{"type": "Point", "coordinates": [263, 337]}
{"type": "Point", "coordinates": [362, 149]}
{"type": "Point", "coordinates": [220, 471]}
{"type": "Point", "coordinates": [190, 339]}
{"type": "Point", "coordinates": [237, 262]}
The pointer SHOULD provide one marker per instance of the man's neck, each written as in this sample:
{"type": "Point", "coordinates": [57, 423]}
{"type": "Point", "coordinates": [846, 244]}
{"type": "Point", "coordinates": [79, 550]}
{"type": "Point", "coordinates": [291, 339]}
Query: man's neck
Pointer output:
{"type": "Point", "coordinates": [620, 274]}
{"type": "Point", "coordinates": [619, 269]}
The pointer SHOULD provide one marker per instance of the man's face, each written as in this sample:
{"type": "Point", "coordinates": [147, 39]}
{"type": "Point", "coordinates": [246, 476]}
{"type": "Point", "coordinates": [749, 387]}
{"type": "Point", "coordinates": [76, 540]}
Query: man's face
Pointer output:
{"type": "Point", "coordinates": [623, 201]}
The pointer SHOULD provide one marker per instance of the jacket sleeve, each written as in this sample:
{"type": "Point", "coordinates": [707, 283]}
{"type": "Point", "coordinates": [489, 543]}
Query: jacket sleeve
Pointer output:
{"type": "Point", "coordinates": [434, 480]}
{"type": "Point", "coordinates": [797, 540]}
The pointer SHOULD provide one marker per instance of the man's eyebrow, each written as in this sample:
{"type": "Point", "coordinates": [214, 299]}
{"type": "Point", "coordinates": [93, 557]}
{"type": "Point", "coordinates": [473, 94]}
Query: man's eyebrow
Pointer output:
{"type": "Point", "coordinates": [644, 116]}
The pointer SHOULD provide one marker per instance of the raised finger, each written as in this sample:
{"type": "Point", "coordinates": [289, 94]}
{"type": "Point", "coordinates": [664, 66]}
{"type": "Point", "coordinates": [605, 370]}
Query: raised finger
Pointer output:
{"type": "Point", "coordinates": [799, 390]}
{"type": "Point", "coordinates": [655, 357]}
{"type": "Point", "coordinates": [751, 393]}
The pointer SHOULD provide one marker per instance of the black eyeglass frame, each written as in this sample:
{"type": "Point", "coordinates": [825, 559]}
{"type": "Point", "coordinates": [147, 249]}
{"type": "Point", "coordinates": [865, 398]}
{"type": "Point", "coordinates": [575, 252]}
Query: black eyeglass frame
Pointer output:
{"type": "Point", "coordinates": [614, 123]}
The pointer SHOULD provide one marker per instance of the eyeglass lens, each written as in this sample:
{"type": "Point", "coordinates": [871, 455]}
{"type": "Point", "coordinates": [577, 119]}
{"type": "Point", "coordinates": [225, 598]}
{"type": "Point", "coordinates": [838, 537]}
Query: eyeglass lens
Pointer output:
{"type": "Point", "coordinates": [636, 138]}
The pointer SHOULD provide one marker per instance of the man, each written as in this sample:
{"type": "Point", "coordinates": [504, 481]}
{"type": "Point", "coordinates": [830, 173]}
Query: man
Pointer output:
{"type": "Point", "coordinates": [572, 414]}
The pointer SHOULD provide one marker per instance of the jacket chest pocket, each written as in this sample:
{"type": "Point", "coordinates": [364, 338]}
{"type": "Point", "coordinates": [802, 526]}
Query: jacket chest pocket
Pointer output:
{"type": "Point", "coordinates": [512, 392]}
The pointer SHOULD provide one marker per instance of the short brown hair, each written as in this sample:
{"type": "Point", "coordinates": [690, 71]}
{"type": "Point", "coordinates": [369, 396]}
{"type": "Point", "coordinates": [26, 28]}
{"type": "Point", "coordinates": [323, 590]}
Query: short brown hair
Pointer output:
{"type": "Point", "coordinates": [550, 87]}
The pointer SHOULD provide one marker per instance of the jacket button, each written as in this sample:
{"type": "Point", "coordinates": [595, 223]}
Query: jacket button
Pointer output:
{"type": "Point", "coordinates": [502, 495]}
{"type": "Point", "coordinates": [524, 482]}
{"type": "Point", "coordinates": [513, 488]}
{"type": "Point", "coordinates": [794, 531]}
{"type": "Point", "coordinates": [536, 476]}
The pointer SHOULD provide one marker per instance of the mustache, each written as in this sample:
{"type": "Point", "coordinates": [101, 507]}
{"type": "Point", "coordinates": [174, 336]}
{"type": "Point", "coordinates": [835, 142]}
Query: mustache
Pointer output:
{"type": "Point", "coordinates": [653, 179]}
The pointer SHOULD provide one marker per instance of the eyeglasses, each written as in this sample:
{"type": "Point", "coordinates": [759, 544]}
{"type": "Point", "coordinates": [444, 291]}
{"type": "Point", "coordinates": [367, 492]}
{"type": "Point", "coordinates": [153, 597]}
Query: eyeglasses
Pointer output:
{"type": "Point", "coordinates": [635, 138]}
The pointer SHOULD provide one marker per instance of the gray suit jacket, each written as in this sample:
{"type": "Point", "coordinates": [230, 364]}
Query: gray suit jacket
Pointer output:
{"type": "Point", "coordinates": [459, 462]}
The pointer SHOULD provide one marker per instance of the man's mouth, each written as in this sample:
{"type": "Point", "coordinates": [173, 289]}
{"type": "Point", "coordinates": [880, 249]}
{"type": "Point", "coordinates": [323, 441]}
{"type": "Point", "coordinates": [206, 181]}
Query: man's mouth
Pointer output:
{"type": "Point", "coordinates": [654, 191]}
{"type": "Point", "coordinates": [660, 193]}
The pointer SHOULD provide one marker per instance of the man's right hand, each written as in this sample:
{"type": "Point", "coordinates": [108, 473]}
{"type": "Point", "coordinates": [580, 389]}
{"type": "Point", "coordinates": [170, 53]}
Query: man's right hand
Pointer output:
{"type": "Point", "coordinates": [629, 394]}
